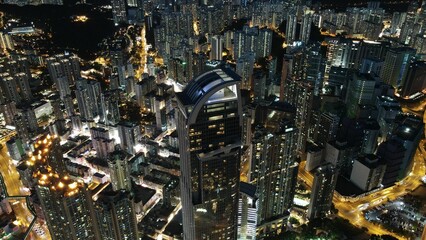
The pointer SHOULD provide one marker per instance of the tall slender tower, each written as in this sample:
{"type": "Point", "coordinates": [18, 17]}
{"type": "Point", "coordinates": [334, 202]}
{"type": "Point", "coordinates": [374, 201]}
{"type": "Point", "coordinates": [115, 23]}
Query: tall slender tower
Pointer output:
{"type": "Point", "coordinates": [325, 178]}
{"type": "Point", "coordinates": [274, 167]}
{"type": "Point", "coordinates": [115, 214]}
{"type": "Point", "coordinates": [65, 202]}
{"type": "Point", "coordinates": [209, 129]}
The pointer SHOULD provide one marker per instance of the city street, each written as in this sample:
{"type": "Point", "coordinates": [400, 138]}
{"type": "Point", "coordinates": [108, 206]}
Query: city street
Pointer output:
{"type": "Point", "coordinates": [15, 188]}
{"type": "Point", "coordinates": [352, 208]}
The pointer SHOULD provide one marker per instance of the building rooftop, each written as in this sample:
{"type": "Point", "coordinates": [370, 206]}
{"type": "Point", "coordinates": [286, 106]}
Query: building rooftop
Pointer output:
{"type": "Point", "coordinates": [45, 174]}
{"type": "Point", "coordinates": [206, 82]}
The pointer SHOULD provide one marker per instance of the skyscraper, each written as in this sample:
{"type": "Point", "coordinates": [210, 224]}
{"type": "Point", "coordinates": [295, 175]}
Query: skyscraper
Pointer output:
{"type": "Point", "coordinates": [23, 84]}
{"type": "Point", "coordinates": [65, 202]}
{"type": "Point", "coordinates": [416, 79]}
{"type": "Point", "coordinates": [119, 11]}
{"type": "Point", "coordinates": [290, 32]}
{"type": "Point", "coordinates": [88, 94]}
{"type": "Point", "coordinates": [396, 64]}
{"type": "Point", "coordinates": [119, 170]}
{"type": "Point", "coordinates": [216, 48]}
{"type": "Point", "coordinates": [361, 92]}
{"type": "Point", "coordinates": [325, 178]}
{"type": "Point", "coordinates": [274, 168]}
{"type": "Point", "coordinates": [110, 114]}
{"type": "Point", "coordinates": [305, 32]}
{"type": "Point", "coordinates": [128, 133]}
{"type": "Point", "coordinates": [64, 70]}
{"type": "Point", "coordinates": [209, 131]}
{"type": "Point", "coordinates": [115, 215]}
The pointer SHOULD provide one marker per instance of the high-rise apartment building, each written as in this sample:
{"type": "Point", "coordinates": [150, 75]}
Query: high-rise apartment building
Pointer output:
{"type": "Point", "coordinates": [115, 215]}
{"type": "Point", "coordinates": [274, 168]}
{"type": "Point", "coordinates": [119, 11]}
{"type": "Point", "coordinates": [65, 202]}
{"type": "Point", "coordinates": [64, 70]}
{"type": "Point", "coordinates": [129, 133]}
{"type": "Point", "coordinates": [290, 32]}
{"type": "Point", "coordinates": [209, 131]}
{"type": "Point", "coordinates": [325, 178]}
{"type": "Point", "coordinates": [88, 94]}
{"type": "Point", "coordinates": [110, 114]}
{"type": "Point", "coordinates": [216, 47]}
{"type": "Point", "coordinates": [119, 170]}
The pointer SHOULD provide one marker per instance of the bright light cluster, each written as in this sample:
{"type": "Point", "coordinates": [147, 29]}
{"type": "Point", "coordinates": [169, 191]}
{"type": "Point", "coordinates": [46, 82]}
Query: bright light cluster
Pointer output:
{"type": "Point", "coordinates": [45, 174]}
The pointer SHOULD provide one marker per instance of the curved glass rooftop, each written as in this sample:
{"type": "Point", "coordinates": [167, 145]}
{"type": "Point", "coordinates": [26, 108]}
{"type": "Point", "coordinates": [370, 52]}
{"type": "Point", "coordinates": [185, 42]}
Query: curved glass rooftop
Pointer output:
{"type": "Point", "coordinates": [207, 82]}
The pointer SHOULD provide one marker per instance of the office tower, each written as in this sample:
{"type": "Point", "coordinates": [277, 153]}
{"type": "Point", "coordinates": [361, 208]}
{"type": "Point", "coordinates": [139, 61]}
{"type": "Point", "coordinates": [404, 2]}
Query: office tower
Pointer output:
{"type": "Point", "coordinates": [408, 130]}
{"type": "Point", "coordinates": [129, 133]}
{"type": "Point", "coordinates": [371, 132]}
{"type": "Point", "coordinates": [361, 92]}
{"type": "Point", "coordinates": [315, 67]}
{"type": "Point", "coordinates": [66, 203]}
{"type": "Point", "coordinates": [115, 215]}
{"type": "Point", "coordinates": [367, 172]}
{"type": "Point", "coordinates": [367, 49]}
{"type": "Point", "coordinates": [119, 11]}
{"type": "Point", "coordinates": [371, 66]}
{"type": "Point", "coordinates": [274, 168]}
{"type": "Point", "coordinates": [406, 32]}
{"type": "Point", "coordinates": [290, 32]}
{"type": "Point", "coordinates": [328, 126]}
{"type": "Point", "coordinates": [416, 79]}
{"type": "Point", "coordinates": [392, 152]}
{"type": "Point", "coordinates": [247, 212]}
{"type": "Point", "coordinates": [216, 47]}
{"type": "Point", "coordinates": [120, 172]}
{"type": "Point", "coordinates": [396, 64]}
{"type": "Point", "coordinates": [177, 70]}
{"type": "Point", "coordinates": [109, 104]}
{"type": "Point", "coordinates": [341, 52]}
{"type": "Point", "coordinates": [209, 131]}
{"type": "Point", "coordinates": [325, 178]}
